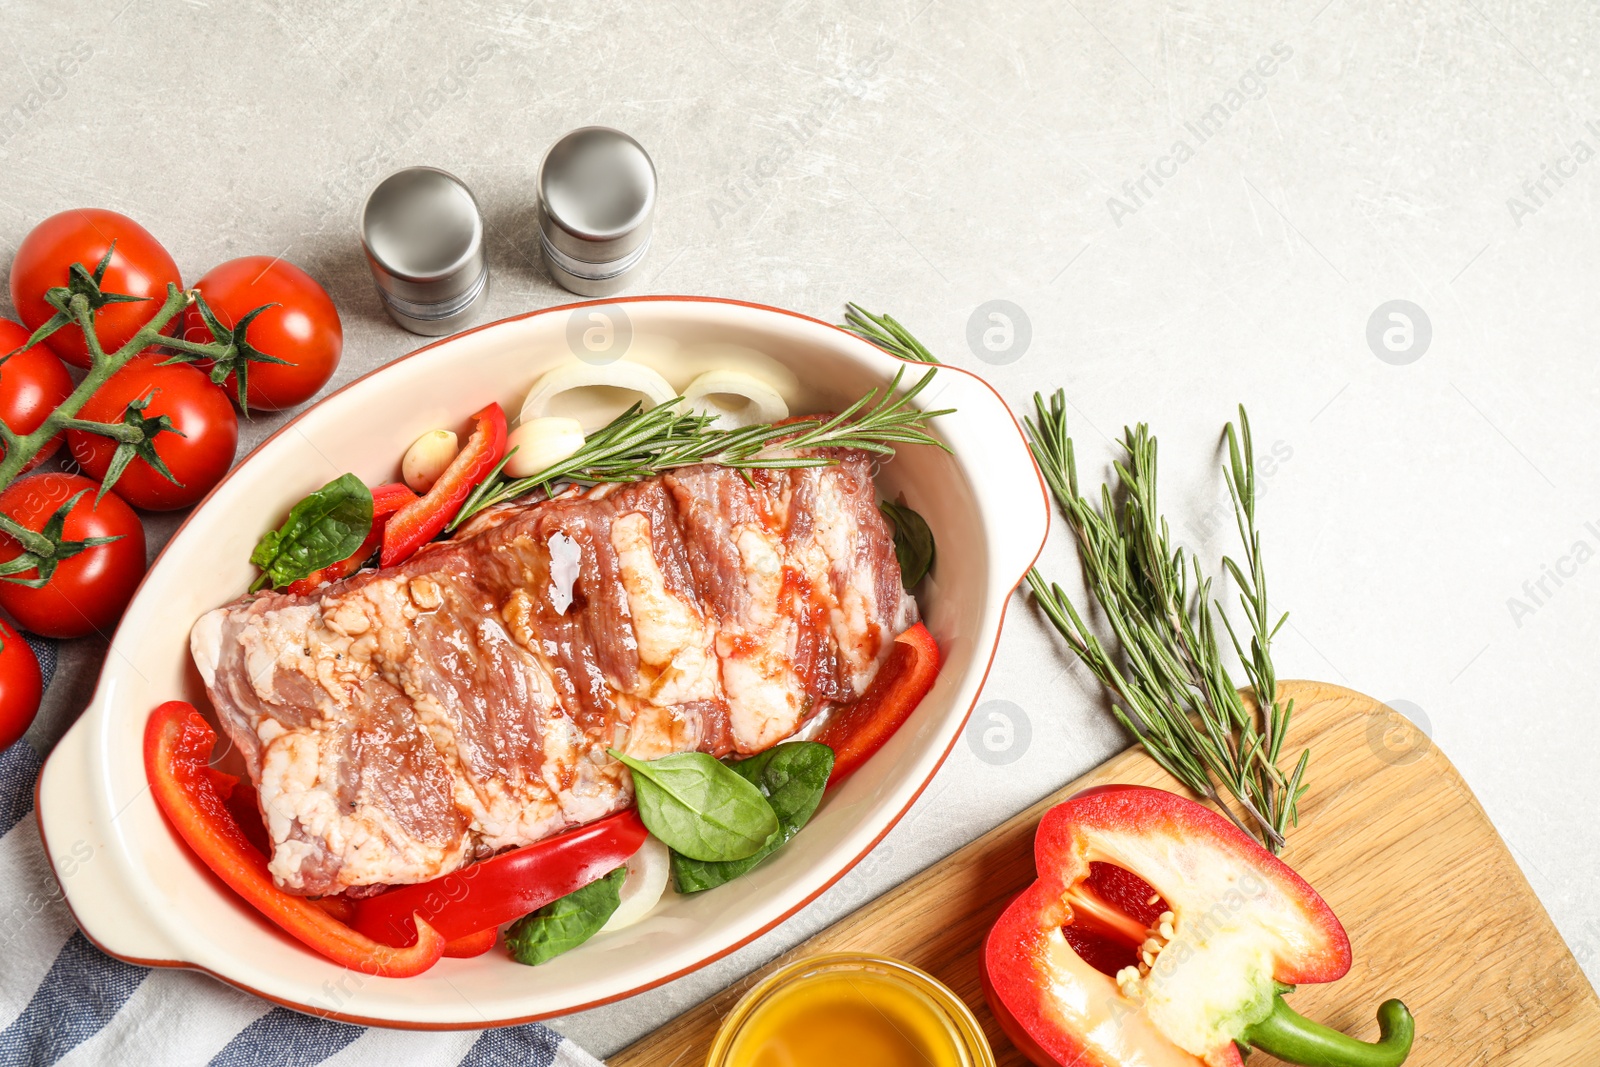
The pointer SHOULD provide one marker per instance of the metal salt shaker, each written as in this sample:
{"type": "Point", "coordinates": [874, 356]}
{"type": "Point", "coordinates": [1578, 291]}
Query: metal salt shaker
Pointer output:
{"type": "Point", "coordinates": [597, 190]}
{"type": "Point", "coordinates": [423, 235]}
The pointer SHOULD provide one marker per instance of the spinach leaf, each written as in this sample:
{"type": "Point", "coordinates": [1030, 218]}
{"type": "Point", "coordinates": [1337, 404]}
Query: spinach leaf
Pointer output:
{"type": "Point", "coordinates": [792, 777]}
{"type": "Point", "coordinates": [563, 925]}
{"type": "Point", "coordinates": [321, 530]}
{"type": "Point", "coordinates": [700, 807]}
{"type": "Point", "coordinates": [913, 542]}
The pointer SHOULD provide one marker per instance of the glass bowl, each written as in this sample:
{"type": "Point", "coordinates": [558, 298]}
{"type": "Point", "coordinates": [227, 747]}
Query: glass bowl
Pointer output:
{"type": "Point", "coordinates": [850, 1007]}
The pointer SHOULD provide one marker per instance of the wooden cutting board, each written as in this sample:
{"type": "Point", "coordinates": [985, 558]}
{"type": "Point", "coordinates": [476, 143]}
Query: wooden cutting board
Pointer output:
{"type": "Point", "coordinates": [1438, 912]}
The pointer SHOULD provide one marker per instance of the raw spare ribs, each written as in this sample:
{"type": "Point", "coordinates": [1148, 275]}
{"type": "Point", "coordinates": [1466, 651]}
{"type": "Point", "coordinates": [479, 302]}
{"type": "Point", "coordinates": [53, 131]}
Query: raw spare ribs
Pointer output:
{"type": "Point", "coordinates": [405, 722]}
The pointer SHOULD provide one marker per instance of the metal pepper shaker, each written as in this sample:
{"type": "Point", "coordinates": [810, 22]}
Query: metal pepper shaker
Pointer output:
{"type": "Point", "coordinates": [597, 191]}
{"type": "Point", "coordinates": [423, 236]}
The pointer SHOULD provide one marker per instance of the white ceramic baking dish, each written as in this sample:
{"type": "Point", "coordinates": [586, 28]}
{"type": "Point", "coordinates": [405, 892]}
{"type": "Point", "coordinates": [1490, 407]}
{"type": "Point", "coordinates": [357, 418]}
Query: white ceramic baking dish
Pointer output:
{"type": "Point", "coordinates": [145, 899]}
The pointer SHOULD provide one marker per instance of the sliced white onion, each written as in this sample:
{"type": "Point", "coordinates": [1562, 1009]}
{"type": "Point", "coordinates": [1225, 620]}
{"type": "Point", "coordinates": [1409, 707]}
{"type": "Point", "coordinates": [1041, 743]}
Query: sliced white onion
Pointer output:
{"type": "Point", "coordinates": [595, 394]}
{"type": "Point", "coordinates": [427, 458]}
{"type": "Point", "coordinates": [643, 885]}
{"type": "Point", "coordinates": [542, 443]}
{"type": "Point", "coordinates": [737, 398]}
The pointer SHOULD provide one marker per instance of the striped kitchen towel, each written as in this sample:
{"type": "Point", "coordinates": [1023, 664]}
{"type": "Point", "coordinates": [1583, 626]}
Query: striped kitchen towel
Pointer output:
{"type": "Point", "coordinates": [63, 1001]}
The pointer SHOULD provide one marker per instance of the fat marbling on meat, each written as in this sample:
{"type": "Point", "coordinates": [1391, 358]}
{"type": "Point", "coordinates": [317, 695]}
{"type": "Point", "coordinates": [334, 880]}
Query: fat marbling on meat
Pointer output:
{"type": "Point", "coordinates": [407, 721]}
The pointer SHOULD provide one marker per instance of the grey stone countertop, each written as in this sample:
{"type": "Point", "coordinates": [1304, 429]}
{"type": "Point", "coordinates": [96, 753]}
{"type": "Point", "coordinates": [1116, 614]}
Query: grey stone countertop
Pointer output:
{"type": "Point", "coordinates": [1183, 207]}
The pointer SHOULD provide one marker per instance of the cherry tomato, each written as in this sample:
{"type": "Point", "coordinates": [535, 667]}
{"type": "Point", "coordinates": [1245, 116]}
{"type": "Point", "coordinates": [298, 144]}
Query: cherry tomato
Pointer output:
{"type": "Point", "coordinates": [139, 267]}
{"type": "Point", "coordinates": [32, 383]}
{"type": "Point", "coordinates": [303, 329]}
{"type": "Point", "coordinates": [88, 591]}
{"type": "Point", "coordinates": [20, 686]}
{"type": "Point", "coordinates": [199, 410]}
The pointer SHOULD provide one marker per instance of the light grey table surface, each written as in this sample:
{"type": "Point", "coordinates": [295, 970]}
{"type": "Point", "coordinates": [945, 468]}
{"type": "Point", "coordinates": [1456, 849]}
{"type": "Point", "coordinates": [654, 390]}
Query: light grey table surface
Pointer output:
{"type": "Point", "coordinates": [1179, 230]}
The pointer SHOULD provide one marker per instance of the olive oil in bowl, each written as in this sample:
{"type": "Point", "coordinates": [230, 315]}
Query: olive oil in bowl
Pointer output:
{"type": "Point", "coordinates": [849, 1008]}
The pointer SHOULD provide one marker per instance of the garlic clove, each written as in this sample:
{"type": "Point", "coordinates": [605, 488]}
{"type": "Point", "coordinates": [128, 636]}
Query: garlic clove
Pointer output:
{"type": "Point", "coordinates": [427, 458]}
{"type": "Point", "coordinates": [736, 399]}
{"type": "Point", "coordinates": [542, 443]}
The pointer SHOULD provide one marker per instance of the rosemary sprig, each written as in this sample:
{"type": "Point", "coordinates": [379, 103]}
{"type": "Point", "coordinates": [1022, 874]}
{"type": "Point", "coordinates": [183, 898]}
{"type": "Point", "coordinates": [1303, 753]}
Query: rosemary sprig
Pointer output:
{"type": "Point", "coordinates": [885, 332]}
{"type": "Point", "coordinates": [641, 444]}
{"type": "Point", "coordinates": [1169, 684]}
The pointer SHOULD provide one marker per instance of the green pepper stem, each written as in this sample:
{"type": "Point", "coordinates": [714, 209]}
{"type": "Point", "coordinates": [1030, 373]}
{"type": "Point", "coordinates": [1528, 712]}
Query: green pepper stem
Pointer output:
{"type": "Point", "coordinates": [1293, 1038]}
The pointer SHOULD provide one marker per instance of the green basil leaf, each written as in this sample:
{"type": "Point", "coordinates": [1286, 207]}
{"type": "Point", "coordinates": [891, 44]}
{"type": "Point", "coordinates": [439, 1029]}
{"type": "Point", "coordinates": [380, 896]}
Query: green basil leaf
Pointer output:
{"type": "Point", "coordinates": [699, 807]}
{"type": "Point", "coordinates": [913, 542]}
{"type": "Point", "coordinates": [792, 777]}
{"type": "Point", "coordinates": [321, 530]}
{"type": "Point", "coordinates": [562, 925]}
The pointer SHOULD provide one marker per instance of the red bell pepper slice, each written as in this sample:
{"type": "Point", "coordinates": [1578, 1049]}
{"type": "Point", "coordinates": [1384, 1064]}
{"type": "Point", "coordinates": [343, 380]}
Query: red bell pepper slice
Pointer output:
{"type": "Point", "coordinates": [386, 500]}
{"type": "Point", "coordinates": [1236, 931]}
{"type": "Point", "coordinates": [861, 728]}
{"type": "Point", "coordinates": [487, 895]}
{"type": "Point", "coordinates": [193, 796]}
{"type": "Point", "coordinates": [420, 521]}
{"type": "Point", "coordinates": [858, 730]}
{"type": "Point", "coordinates": [463, 948]}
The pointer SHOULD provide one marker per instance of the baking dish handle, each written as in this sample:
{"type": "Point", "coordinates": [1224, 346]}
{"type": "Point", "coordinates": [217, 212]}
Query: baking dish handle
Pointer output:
{"type": "Point", "coordinates": [79, 828]}
{"type": "Point", "coordinates": [1015, 501]}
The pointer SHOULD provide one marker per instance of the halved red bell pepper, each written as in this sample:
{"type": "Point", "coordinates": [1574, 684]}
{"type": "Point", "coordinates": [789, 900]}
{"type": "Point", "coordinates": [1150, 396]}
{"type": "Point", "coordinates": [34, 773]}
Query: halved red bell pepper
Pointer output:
{"type": "Point", "coordinates": [487, 895]}
{"type": "Point", "coordinates": [420, 521]}
{"type": "Point", "coordinates": [860, 729]}
{"type": "Point", "coordinates": [386, 500]}
{"type": "Point", "coordinates": [193, 796]}
{"type": "Point", "coordinates": [1207, 974]}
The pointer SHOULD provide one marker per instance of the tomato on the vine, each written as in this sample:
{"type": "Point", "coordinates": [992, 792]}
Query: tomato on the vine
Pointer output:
{"type": "Point", "coordinates": [139, 267]}
{"type": "Point", "coordinates": [303, 329]}
{"type": "Point", "coordinates": [86, 591]}
{"type": "Point", "coordinates": [32, 382]}
{"type": "Point", "coordinates": [21, 686]}
{"type": "Point", "coordinates": [198, 449]}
